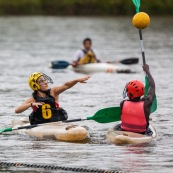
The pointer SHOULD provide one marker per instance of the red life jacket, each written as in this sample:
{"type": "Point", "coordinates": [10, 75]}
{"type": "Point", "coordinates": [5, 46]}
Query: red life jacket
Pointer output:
{"type": "Point", "coordinates": [133, 117]}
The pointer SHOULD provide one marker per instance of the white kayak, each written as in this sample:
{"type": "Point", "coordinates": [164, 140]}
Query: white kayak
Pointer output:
{"type": "Point", "coordinates": [57, 130]}
{"type": "Point", "coordinates": [124, 137]}
{"type": "Point", "coordinates": [102, 67]}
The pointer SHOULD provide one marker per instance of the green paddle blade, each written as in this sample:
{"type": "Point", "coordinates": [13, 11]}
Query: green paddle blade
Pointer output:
{"type": "Point", "coordinates": [137, 5]}
{"type": "Point", "coordinates": [154, 104]}
{"type": "Point", "coordinates": [106, 115]}
{"type": "Point", "coordinates": [6, 130]}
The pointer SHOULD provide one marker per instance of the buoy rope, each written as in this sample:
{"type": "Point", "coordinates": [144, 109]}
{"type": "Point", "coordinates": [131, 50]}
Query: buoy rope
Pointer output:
{"type": "Point", "coordinates": [52, 167]}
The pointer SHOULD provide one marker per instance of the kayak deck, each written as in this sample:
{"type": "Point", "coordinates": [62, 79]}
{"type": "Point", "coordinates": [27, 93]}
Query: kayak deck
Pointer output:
{"type": "Point", "coordinates": [57, 130]}
{"type": "Point", "coordinates": [124, 137]}
{"type": "Point", "coordinates": [101, 67]}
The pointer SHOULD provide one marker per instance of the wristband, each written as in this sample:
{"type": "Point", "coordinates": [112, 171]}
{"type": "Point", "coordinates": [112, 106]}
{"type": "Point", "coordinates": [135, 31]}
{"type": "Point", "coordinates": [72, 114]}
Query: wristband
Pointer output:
{"type": "Point", "coordinates": [31, 104]}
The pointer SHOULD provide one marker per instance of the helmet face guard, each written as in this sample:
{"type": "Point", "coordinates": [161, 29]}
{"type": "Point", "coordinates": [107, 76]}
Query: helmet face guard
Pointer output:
{"type": "Point", "coordinates": [32, 80]}
{"type": "Point", "coordinates": [133, 89]}
{"type": "Point", "coordinates": [47, 78]}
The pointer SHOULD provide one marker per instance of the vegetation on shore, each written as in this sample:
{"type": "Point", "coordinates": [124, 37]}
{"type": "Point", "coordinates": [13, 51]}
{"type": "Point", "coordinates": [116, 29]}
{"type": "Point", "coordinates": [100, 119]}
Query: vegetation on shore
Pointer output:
{"type": "Point", "coordinates": [83, 7]}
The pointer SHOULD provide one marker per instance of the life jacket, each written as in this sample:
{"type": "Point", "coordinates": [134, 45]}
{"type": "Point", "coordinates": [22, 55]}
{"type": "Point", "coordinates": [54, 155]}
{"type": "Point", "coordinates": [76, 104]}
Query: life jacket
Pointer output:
{"type": "Point", "coordinates": [133, 117]}
{"type": "Point", "coordinates": [88, 58]}
{"type": "Point", "coordinates": [49, 112]}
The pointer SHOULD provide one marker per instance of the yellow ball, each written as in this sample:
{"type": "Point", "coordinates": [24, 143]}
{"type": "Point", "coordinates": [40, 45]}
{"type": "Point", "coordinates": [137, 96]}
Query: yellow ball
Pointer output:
{"type": "Point", "coordinates": [141, 20]}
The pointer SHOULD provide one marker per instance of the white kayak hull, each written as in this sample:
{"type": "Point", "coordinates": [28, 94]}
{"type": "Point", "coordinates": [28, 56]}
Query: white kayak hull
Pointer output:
{"type": "Point", "coordinates": [124, 137]}
{"type": "Point", "coordinates": [101, 67]}
{"type": "Point", "coordinates": [58, 130]}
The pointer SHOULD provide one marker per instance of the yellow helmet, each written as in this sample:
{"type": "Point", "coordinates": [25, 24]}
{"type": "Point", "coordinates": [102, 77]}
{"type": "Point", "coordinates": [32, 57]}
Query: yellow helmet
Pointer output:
{"type": "Point", "coordinates": [32, 80]}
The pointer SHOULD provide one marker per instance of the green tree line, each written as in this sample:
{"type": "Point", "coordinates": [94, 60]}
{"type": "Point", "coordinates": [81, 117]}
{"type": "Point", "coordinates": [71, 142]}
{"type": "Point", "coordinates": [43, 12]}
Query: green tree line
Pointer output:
{"type": "Point", "coordinates": [83, 7]}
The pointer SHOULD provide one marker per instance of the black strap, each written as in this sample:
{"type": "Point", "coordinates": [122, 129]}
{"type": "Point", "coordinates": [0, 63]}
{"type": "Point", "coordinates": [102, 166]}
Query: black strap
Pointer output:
{"type": "Point", "coordinates": [84, 51]}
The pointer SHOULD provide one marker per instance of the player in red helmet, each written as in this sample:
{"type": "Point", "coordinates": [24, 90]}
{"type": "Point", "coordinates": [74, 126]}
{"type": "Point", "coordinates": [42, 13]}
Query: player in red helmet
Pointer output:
{"type": "Point", "coordinates": [136, 110]}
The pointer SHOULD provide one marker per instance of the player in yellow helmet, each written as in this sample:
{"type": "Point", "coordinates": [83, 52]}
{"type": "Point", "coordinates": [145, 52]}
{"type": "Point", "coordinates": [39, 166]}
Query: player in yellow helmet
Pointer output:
{"type": "Point", "coordinates": [44, 100]}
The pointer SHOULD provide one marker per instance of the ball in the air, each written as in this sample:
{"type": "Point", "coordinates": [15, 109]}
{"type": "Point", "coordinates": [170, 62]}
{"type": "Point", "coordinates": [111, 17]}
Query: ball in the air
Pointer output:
{"type": "Point", "coordinates": [141, 20]}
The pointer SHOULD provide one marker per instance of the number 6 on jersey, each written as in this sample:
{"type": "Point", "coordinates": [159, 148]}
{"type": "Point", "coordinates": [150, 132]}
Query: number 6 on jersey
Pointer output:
{"type": "Point", "coordinates": [46, 111]}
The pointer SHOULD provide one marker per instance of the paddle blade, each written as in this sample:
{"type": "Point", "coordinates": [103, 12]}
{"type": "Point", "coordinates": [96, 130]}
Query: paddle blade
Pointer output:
{"type": "Point", "coordinates": [154, 104]}
{"type": "Point", "coordinates": [137, 5]}
{"type": "Point", "coordinates": [6, 130]}
{"type": "Point", "coordinates": [59, 64]}
{"type": "Point", "coordinates": [130, 61]}
{"type": "Point", "coordinates": [107, 115]}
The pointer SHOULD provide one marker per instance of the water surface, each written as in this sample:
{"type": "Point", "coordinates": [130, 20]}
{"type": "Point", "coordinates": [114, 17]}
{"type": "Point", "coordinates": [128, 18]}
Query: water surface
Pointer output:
{"type": "Point", "coordinates": [28, 44]}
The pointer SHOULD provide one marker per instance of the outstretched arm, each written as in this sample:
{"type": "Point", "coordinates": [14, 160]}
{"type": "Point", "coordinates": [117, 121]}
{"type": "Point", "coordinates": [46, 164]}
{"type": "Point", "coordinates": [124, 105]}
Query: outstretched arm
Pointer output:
{"type": "Point", "coordinates": [151, 91]}
{"type": "Point", "coordinates": [57, 90]}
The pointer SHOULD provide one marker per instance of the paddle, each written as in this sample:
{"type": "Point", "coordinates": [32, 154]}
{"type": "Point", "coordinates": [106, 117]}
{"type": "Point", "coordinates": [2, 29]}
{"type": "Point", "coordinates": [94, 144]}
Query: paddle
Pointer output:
{"type": "Point", "coordinates": [64, 64]}
{"type": "Point", "coordinates": [106, 115]}
{"type": "Point", "coordinates": [59, 64]}
{"type": "Point", "coordinates": [127, 61]}
{"type": "Point", "coordinates": [130, 61]}
{"type": "Point", "coordinates": [154, 103]}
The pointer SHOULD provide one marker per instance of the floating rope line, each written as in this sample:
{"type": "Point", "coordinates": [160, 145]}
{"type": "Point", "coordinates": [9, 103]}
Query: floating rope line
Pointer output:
{"type": "Point", "coordinates": [52, 167]}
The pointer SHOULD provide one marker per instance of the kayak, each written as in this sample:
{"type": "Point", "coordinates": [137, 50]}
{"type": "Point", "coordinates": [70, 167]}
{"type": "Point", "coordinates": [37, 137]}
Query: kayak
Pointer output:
{"type": "Point", "coordinates": [57, 130]}
{"type": "Point", "coordinates": [124, 137]}
{"type": "Point", "coordinates": [101, 67]}
{"type": "Point", "coordinates": [111, 67]}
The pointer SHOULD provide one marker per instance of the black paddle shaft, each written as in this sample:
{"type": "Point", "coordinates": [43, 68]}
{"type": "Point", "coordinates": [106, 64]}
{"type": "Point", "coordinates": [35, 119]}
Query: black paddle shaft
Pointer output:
{"type": "Point", "coordinates": [79, 119]}
{"type": "Point", "coordinates": [36, 125]}
{"type": "Point", "coordinates": [26, 127]}
{"type": "Point", "coordinates": [142, 47]}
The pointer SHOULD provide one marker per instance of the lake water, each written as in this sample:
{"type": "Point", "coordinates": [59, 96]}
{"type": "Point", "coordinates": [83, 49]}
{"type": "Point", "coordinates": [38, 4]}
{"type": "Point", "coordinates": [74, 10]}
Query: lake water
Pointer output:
{"type": "Point", "coordinates": [29, 44]}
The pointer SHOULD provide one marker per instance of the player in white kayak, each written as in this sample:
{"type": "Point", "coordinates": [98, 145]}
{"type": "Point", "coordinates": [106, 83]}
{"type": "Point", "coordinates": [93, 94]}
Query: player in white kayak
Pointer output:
{"type": "Point", "coordinates": [86, 55]}
{"type": "Point", "coordinates": [45, 100]}
{"type": "Point", "coordinates": [136, 110]}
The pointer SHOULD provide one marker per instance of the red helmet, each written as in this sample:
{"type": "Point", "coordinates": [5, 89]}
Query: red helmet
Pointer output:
{"type": "Point", "coordinates": [134, 89]}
